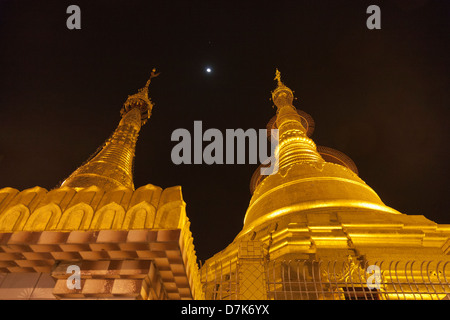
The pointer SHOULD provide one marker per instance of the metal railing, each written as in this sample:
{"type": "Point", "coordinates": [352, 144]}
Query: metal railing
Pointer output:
{"type": "Point", "coordinates": [349, 279]}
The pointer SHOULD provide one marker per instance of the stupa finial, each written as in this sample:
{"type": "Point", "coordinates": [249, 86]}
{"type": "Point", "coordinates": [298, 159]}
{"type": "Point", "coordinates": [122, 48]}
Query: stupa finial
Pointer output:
{"type": "Point", "coordinates": [282, 95]}
{"type": "Point", "coordinates": [278, 77]}
{"type": "Point", "coordinates": [140, 100]}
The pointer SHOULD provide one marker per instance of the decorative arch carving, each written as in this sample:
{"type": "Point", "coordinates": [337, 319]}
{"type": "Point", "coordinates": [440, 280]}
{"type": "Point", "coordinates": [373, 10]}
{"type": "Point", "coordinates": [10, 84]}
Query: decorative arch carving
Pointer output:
{"type": "Point", "coordinates": [171, 215]}
{"type": "Point", "coordinates": [6, 195]}
{"type": "Point", "coordinates": [171, 209]}
{"type": "Point", "coordinates": [14, 218]}
{"type": "Point", "coordinates": [140, 216]}
{"type": "Point", "coordinates": [78, 217]}
{"type": "Point", "coordinates": [109, 217]}
{"type": "Point", "coordinates": [44, 218]}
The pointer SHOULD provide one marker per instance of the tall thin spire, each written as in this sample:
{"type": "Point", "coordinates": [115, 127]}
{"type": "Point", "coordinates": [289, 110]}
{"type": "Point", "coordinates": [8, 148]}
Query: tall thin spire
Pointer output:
{"type": "Point", "coordinates": [305, 181]}
{"type": "Point", "coordinates": [112, 166]}
{"type": "Point", "coordinates": [140, 100]}
{"type": "Point", "coordinates": [294, 144]}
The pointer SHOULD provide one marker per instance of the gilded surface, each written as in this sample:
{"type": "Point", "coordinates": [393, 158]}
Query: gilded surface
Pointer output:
{"type": "Point", "coordinates": [311, 210]}
{"type": "Point", "coordinates": [87, 224]}
{"type": "Point", "coordinates": [137, 243]}
{"type": "Point", "coordinates": [112, 166]}
{"type": "Point", "coordinates": [69, 209]}
{"type": "Point", "coordinates": [133, 244]}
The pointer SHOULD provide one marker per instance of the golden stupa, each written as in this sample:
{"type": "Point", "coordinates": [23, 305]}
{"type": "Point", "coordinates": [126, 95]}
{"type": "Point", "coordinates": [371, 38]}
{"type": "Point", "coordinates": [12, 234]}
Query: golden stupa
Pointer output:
{"type": "Point", "coordinates": [128, 243]}
{"type": "Point", "coordinates": [316, 230]}
{"type": "Point", "coordinates": [313, 230]}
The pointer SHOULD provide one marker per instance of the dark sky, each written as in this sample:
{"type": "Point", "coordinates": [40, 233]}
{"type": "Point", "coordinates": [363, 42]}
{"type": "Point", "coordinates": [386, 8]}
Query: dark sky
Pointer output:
{"type": "Point", "coordinates": [380, 96]}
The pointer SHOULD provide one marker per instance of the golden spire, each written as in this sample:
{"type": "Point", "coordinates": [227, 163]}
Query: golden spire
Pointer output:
{"type": "Point", "coordinates": [278, 77]}
{"type": "Point", "coordinates": [282, 95]}
{"type": "Point", "coordinates": [304, 182]}
{"type": "Point", "coordinates": [112, 166]}
{"type": "Point", "coordinates": [294, 144]}
{"type": "Point", "coordinates": [140, 100]}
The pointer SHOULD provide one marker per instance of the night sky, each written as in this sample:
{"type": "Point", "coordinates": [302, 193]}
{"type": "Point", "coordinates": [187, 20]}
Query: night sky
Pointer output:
{"type": "Point", "coordinates": [380, 96]}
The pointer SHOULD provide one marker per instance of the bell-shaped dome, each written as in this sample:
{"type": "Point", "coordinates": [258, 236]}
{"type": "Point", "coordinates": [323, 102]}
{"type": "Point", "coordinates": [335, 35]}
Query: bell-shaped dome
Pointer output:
{"type": "Point", "coordinates": [306, 186]}
{"type": "Point", "coordinates": [308, 177]}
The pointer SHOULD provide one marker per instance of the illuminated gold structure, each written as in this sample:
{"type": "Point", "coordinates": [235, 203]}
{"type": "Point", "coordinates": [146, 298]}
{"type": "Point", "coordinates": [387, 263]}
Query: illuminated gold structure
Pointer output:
{"type": "Point", "coordinates": [112, 166]}
{"type": "Point", "coordinates": [312, 229]}
{"type": "Point", "coordinates": [127, 243]}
